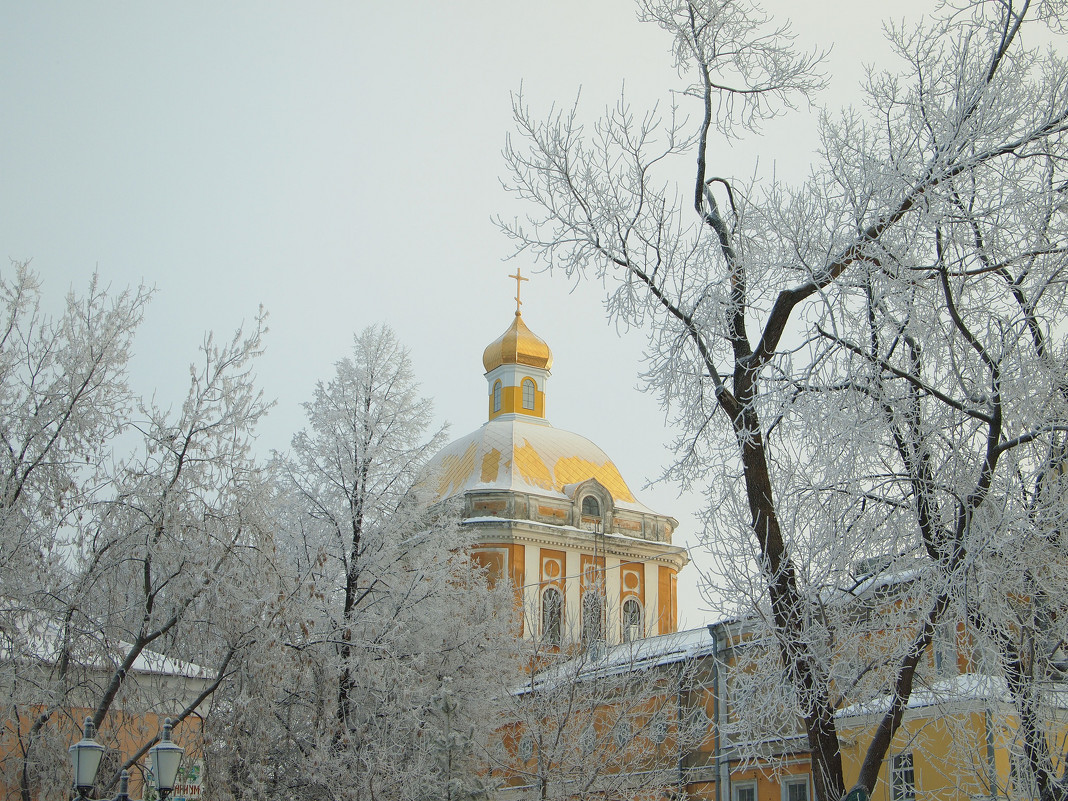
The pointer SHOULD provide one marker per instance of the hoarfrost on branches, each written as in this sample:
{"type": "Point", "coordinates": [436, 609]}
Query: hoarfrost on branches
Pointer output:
{"type": "Point", "coordinates": [866, 370]}
{"type": "Point", "coordinates": [105, 555]}
{"type": "Point", "coordinates": [378, 678]}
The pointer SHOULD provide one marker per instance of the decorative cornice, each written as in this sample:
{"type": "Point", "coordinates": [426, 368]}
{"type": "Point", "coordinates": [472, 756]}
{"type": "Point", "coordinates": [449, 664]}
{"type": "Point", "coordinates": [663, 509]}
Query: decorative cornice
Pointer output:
{"type": "Point", "coordinates": [527, 532]}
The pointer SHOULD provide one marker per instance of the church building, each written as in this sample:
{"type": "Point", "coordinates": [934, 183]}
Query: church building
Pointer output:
{"type": "Point", "coordinates": [551, 513]}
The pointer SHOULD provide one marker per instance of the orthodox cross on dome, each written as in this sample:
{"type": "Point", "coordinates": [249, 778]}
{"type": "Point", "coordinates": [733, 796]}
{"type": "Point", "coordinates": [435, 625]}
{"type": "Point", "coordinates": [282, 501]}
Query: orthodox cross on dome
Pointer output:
{"type": "Point", "coordinates": [518, 285]}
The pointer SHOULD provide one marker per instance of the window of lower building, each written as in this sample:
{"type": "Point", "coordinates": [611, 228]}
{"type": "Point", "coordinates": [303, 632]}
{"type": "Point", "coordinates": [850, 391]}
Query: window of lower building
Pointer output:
{"type": "Point", "coordinates": [528, 393]}
{"type": "Point", "coordinates": [587, 740]}
{"type": "Point", "coordinates": [795, 789]}
{"type": "Point", "coordinates": [743, 791]}
{"type": "Point", "coordinates": [659, 731]}
{"type": "Point", "coordinates": [1021, 777]}
{"type": "Point", "coordinates": [902, 778]}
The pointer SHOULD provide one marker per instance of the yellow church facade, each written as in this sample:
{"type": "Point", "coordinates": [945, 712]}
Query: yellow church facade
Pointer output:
{"type": "Point", "coordinates": [550, 512]}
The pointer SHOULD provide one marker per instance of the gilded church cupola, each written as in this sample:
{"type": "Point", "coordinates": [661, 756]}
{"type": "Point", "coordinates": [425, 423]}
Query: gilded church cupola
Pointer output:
{"type": "Point", "coordinates": [517, 366]}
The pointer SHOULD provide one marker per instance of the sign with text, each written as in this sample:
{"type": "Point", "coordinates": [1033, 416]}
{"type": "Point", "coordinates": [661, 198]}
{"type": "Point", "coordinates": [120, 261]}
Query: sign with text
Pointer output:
{"type": "Point", "coordinates": [187, 788]}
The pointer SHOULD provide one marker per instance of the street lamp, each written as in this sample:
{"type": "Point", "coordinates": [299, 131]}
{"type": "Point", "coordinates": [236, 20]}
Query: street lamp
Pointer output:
{"type": "Point", "coordinates": [164, 758]}
{"type": "Point", "coordinates": [85, 756]}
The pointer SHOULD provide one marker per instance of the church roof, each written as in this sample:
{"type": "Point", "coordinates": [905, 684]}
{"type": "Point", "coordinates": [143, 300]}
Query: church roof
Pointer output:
{"type": "Point", "coordinates": [525, 455]}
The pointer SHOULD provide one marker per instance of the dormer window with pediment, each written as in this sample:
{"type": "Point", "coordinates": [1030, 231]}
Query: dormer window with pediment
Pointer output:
{"type": "Point", "coordinates": [593, 509]}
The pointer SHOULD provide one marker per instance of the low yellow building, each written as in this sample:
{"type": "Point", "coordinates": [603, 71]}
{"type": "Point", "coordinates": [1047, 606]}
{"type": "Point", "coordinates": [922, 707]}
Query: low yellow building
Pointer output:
{"type": "Point", "coordinates": [34, 739]}
{"type": "Point", "coordinates": [958, 740]}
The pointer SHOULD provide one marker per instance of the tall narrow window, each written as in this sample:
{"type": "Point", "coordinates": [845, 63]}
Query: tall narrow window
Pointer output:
{"type": "Point", "coordinates": [902, 778]}
{"type": "Point", "coordinates": [590, 507]}
{"type": "Point", "coordinates": [592, 618]}
{"type": "Point", "coordinates": [552, 616]}
{"type": "Point", "coordinates": [944, 648]}
{"type": "Point", "coordinates": [632, 620]}
{"type": "Point", "coordinates": [496, 396]}
{"type": "Point", "coordinates": [528, 393]}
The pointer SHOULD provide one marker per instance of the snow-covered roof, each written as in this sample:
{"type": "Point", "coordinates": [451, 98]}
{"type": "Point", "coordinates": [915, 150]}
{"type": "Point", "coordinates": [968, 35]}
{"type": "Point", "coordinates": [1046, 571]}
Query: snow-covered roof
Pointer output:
{"type": "Point", "coordinates": [525, 455]}
{"type": "Point", "coordinates": [965, 687]}
{"type": "Point", "coordinates": [44, 644]}
{"type": "Point", "coordinates": [893, 576]}
{"type": "Point", "coordinates": [642, 654]}
{"type": "Point", "coordinates": [153, 662]}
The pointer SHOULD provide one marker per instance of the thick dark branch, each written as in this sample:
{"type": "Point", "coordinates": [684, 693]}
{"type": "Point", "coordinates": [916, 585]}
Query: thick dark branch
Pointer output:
{"type": "Point", "coordinates": [891, 720]}
{"type": "Point", "coordinates": [904, 374]}
{"type": "Point", "coordinates": [858, 251]}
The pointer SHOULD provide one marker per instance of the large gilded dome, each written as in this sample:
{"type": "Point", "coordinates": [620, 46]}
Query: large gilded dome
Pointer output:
{"type": "Point", "coordinates": [517, 345]}
{"type": "Point", "coordinates": [525, 456]}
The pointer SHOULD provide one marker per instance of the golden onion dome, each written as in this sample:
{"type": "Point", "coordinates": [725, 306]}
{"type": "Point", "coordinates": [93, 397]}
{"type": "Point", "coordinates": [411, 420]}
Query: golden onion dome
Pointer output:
{"type": "Point", "coordinates": [518, 345]}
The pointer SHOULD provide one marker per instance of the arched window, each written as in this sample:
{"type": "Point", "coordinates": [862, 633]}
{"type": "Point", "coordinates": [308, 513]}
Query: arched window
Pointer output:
{"type": "Point", "coordinates": [590, 507]}
{"type": "Point", "coordinates": [552, 616]}
{"type": "Point", "coordinates": [528, 393]}
{"type": "Point", "coordinates": [496, 396]}
{"type": "Point", "coordinates": [632, 620]}
{"type": "Point", "coordinates": [592, 618]}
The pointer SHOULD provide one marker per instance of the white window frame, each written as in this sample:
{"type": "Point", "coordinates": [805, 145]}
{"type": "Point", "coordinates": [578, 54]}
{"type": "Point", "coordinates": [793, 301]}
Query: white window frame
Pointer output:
{"type": "Point", "coordinates": [944, 649]}
{"type": "Point", "coordinates": [658, 728]}
{"type": "Point", "coordinates": [587, 739]}
{"type": "Point", "coordinates": [497, 395]}
{"type": "Point", "coordinates": [791, 781]}
{"type": "Point", "coordinates": [525, 749]}
{"type": "Point", "coordinates": [899, 768]}
{"type": "Point", "coordinates": [528, 402]}
{"type": "Point", "coordinates": [737, 787]}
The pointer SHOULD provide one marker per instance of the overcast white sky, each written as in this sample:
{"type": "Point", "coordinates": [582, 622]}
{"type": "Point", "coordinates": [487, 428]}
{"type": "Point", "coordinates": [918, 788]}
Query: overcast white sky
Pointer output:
{"type": "Point", "coordinates": [339, 163]}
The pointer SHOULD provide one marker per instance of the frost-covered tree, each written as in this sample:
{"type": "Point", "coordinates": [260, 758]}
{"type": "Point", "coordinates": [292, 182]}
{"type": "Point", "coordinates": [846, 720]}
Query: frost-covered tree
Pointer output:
{"type": "Point", "coordinates": [107, 555]}
{"type": "Point", "coordinates": [375, 682]}
{"type": "Point", "coordinates": [870, 365]}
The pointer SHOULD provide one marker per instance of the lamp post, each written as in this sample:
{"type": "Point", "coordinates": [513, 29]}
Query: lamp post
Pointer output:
{"type": "Point", "coordinates": [164, 757]}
